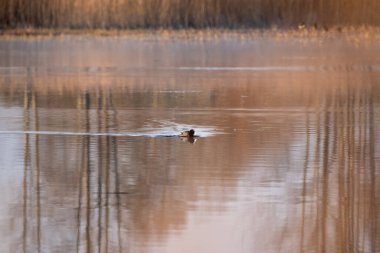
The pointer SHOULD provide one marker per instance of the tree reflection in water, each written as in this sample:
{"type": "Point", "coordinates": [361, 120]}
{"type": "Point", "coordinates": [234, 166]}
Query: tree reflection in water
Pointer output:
{"type": "Point", "coordinates": [338, 209]}
{"type": "Point", "coordinates": [297, 154]}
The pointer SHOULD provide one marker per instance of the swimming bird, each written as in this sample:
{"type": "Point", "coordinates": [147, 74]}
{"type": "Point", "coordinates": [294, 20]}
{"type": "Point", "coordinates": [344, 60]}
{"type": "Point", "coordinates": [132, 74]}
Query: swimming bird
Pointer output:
{"type": "Point", "coordinates": [188, 134]}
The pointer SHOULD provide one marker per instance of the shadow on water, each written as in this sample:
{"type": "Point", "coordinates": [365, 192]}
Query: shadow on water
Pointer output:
{"type": "Point", "coordinates": [294, 170]}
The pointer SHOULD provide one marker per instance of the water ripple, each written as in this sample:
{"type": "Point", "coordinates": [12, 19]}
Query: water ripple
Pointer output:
{"type": "Point", "coordinates": [169, 130]}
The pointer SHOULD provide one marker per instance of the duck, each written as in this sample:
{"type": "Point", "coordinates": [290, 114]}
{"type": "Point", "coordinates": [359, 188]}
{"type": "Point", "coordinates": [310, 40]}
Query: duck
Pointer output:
{"type": "Point", "coordinates": [188, 134]}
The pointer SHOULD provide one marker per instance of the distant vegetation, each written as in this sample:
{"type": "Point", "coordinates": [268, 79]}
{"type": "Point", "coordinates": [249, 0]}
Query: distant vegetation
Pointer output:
{"type": "Point", "coordinates": [186, 13]}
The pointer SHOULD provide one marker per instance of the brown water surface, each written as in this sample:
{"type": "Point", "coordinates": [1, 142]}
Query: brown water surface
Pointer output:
{"type": "Point", "coordinates": [286, 159]}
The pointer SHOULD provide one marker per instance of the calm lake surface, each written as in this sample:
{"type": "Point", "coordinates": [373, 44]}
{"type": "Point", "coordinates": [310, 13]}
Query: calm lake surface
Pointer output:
{"type": "Point", "coordinates": [287, 158]}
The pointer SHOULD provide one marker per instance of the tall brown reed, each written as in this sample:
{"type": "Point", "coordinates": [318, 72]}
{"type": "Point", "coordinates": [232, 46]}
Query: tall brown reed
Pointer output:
{"type": "Point", "coordinates": [186, 13]}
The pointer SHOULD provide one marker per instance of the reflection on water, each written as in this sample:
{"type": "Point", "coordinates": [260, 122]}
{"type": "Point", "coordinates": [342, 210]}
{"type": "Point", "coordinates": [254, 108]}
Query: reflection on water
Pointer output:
{"type": "Point", "coordinates": [286, 160]}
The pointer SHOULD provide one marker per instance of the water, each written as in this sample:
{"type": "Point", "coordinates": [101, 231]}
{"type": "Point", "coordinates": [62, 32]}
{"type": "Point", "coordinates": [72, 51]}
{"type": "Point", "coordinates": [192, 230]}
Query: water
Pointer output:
{"type": "Point", "coordinates": [286, 159]}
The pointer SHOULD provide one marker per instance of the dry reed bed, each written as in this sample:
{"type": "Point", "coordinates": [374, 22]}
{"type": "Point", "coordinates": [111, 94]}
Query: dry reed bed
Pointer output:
{"type": "Point", "coordinates": [355, 34]}
{"type": "Point", "coordinates": [119, 14]}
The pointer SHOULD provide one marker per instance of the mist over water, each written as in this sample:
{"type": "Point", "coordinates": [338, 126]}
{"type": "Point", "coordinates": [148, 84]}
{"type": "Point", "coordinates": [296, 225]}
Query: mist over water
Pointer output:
{"type": "Point", "coordinates": [286, 159]}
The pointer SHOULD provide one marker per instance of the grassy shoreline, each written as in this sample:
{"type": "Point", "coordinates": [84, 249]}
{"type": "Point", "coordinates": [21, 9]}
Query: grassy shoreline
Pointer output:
{"type": "Point", "coordinates": [357, 34]}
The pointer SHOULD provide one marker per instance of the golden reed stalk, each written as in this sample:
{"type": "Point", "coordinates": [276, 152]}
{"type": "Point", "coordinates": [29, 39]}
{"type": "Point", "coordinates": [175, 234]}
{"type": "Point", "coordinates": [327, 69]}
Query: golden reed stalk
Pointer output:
{"type": "Point", "coordinates": [186, 13]}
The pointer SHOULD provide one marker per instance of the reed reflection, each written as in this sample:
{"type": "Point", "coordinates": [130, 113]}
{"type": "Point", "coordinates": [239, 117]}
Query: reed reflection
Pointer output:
{"type": "Point", "coordinates": [118, 191]}
{"type": "Point", "coordinates": [339, 203]}
{"type": "Point", "coordinates": [292, 164]}
{"type": "Point", "coordinates": [99, 184]}
{"type": "Point", "coordinates": [87, 180]}
{"type": "Point", "coordinates": [31, 231]}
